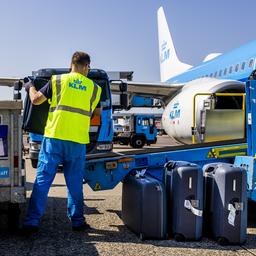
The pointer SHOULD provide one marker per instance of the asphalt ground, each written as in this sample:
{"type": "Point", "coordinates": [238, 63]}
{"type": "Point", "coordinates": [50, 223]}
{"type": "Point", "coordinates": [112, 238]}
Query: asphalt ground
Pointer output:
{"type": "Point", "coordinates": [108, 235]}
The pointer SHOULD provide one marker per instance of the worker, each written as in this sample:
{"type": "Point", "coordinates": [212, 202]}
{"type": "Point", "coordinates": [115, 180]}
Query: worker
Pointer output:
{"type": "Point", "coordinates": [73, 98]}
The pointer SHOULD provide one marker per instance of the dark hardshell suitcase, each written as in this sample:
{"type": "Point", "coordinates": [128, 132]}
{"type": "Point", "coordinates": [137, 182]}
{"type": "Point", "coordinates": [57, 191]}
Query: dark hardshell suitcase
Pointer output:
{"type": "Point", "coordinates": [144, 206]}
{"type": "Point", "coordinates": [226, 202]}
{"type": "Point", "coordinates": [35, 116]}
{"type": "Point", "coordinates": [184, 185]}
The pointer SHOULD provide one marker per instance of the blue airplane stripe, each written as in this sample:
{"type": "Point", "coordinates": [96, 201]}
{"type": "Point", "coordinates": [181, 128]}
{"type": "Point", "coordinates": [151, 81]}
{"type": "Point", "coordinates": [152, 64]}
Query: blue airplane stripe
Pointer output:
{"type": "Point", "coordinates": [237, 56]}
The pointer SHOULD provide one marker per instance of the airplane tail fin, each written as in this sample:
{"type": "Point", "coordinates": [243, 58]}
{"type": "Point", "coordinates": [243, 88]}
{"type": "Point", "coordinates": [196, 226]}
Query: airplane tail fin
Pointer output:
{"type": "Point", "coordinates": [170, 65]}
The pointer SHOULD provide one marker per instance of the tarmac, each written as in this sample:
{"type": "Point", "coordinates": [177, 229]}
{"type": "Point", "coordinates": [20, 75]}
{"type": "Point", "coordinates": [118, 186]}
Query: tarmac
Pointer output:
{"type": "Point", "coordinates": [108, 236]}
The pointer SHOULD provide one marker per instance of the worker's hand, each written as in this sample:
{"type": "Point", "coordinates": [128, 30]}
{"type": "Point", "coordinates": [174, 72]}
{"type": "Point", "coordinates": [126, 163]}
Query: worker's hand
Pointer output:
{"type": "Point", "coordinates": [28, 85]}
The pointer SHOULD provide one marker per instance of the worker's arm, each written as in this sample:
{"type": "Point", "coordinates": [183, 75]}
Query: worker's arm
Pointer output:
{"type": "Point", "coordinates": [36, 97]}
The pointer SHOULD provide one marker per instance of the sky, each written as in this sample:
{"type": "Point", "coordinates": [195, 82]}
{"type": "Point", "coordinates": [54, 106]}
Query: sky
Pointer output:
{"type": "Point", "coordinates": [120, 35]}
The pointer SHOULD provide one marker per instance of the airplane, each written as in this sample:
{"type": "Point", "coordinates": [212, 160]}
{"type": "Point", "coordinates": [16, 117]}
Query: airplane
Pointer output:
{"type": "Point", "coordinates": [215, 117]}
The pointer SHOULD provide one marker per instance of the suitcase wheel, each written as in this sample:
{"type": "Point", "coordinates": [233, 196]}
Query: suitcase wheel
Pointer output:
{"type": "Point", "coordinates": [179, 238]}
{"type": "Point", "coordinates": [142, 237]}
{"type": "Point", "coordinates": [222, 241]}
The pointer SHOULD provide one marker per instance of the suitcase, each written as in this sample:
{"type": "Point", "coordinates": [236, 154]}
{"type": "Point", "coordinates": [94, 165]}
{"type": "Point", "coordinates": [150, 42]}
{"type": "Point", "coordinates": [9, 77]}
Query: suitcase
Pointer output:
{"type": "Point", "coordinates": [226, 202]}
{"type": "Point", "coordinates": [184, 187]}
{"type": "Point", "coordinates": [35, 116]}
{"type": "Point", "coordinates": [144, 206]}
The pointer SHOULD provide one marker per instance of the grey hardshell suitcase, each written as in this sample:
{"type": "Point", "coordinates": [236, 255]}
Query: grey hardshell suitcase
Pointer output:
{"type": "Point", "coordinates": [184, 186]}
{"type": "Point", "coordinates": [144, 206]}
{"type": "Point", "coordinates": [226, 202]}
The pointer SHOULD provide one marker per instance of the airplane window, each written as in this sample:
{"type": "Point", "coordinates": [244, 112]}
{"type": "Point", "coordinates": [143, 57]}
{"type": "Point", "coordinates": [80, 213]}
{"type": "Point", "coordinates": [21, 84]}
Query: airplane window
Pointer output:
{"type": "Point", "coordinates": [237, 67]}
{"type": "Point", "coordinates": [243, 65]}
{"type": "Point", "coordinates": [220, 72]}
{"type": "Point", "coordinates": [215, 74]}
{"type": "Point", "coordinates": [251, 62]}
{"type": "Point", "coordinates": [225, 71]}
{"type": "Point", "coordinates": [230, 69]}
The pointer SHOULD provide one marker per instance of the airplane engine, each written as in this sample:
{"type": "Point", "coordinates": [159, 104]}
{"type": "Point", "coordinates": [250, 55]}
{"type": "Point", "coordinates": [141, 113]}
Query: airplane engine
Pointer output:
{"type": "Point", "coordinates": [216, 117]}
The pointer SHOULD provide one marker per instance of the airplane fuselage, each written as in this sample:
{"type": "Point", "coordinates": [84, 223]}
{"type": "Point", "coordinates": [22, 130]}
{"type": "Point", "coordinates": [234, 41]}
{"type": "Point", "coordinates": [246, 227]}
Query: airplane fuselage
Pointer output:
{"type": "Point", "coordinates": [237, 64]}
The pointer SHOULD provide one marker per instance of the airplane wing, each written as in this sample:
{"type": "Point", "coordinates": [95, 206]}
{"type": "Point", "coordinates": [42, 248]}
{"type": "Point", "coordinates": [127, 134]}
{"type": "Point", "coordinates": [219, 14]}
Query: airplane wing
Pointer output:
{"type": "Point", "coordinates": [8, 81]}
{"type": "Point", "coordinates": [161, 91]}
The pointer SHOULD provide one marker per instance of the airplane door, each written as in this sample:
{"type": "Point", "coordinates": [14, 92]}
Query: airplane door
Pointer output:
{"type": "Point", "coordinates": [151, 125]}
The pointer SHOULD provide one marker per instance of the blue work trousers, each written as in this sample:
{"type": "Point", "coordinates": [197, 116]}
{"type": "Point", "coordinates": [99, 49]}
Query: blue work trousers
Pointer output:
{"type": "Point", "coordinates": [54, 152]}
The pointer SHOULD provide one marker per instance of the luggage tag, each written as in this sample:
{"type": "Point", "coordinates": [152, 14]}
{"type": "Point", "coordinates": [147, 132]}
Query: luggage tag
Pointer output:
{"type": "Point", "coordinates": [188, 205]}
{"type": "Point", "coordinates": [232, 212]}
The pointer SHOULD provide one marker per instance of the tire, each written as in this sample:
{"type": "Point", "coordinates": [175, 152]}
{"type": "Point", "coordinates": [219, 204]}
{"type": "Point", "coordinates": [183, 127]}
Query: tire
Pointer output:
{"type": "Point", "coordinates": [142, 237]}
{"type": "Point", "coordinates": [222, 241]}
{"type": "Point", "coordinates": [179, 238]}
{"type": "Point", "coordinates": [34, 163]}
{"type": "Point", "coordinates": [13, 216]}
{"type": "Point", "coordinates": [137, 141]}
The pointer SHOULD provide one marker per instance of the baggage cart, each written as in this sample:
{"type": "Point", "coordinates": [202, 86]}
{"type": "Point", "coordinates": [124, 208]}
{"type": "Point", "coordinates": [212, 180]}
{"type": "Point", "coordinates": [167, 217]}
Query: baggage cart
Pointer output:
{"type": "Point", "coordinates": [12, 165]}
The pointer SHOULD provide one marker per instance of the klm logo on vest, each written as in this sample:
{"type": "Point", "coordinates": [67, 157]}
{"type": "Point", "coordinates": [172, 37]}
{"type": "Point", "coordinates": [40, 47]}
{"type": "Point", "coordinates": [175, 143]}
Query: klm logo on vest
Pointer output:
{"type": "Point", "coordinates": [77, 84]}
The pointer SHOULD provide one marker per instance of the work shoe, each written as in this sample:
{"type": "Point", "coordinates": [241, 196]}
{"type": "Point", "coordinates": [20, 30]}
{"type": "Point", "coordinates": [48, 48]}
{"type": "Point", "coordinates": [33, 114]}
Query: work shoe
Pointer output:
{"type": "Point", "coordinates": [28, 230]}
{"type": "Point", "coordinates": [82, 227]}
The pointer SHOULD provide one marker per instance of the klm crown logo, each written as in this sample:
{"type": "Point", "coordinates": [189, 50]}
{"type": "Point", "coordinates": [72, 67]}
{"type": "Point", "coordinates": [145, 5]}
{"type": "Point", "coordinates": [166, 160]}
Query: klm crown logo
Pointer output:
{"type": "Point", "coordinates": [77, 84]}
{"type": "Point", "coordinates": [165, 52]}
{"type": "Point", "coordinates": [175, 112]}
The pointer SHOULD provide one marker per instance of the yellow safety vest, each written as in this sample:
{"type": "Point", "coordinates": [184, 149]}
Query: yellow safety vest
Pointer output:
{"type": "Point", "coordinates": [74, 98]}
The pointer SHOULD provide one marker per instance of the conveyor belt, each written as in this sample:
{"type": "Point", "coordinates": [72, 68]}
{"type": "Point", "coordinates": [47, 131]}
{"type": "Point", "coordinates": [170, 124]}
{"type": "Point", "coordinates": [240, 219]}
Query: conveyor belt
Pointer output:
{"type": "Point", "coordinates": [165, 149]}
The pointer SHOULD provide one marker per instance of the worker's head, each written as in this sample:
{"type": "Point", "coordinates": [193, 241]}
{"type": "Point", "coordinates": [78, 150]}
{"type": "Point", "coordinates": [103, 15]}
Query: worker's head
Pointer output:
{"type": "Point", "coordinates": [80, 63]}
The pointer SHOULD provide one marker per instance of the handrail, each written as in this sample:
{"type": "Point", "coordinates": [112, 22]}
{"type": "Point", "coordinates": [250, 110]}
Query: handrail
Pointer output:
{"type": "Point", "coordinates": [222, 94]}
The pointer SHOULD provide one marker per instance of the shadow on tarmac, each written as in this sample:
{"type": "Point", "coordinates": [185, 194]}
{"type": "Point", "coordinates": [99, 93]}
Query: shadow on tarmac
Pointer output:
{"type": "Point", "coordinates": [56, 237]}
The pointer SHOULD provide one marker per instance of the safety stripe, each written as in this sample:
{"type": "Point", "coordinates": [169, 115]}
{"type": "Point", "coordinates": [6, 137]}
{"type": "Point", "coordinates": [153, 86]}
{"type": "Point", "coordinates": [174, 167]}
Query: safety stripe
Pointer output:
{"type": "Point", "coordinates": [71, 109]}
{"type": "Point", "coordinates": [94, 94]}
{"type": "Point", "coordinates": [58, 88]}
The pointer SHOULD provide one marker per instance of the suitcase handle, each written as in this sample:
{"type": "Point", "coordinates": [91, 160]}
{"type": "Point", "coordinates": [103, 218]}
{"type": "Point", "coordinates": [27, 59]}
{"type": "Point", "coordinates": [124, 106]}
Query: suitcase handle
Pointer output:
{"type": "Point", "coordinates": [140, 174]}
{"type": "Point", "coordinates": [173, 164]}
{"type": "Point", "coordinates": [170, 165]}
